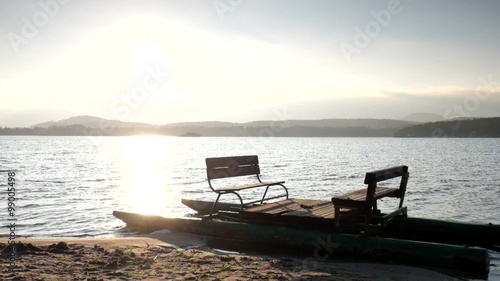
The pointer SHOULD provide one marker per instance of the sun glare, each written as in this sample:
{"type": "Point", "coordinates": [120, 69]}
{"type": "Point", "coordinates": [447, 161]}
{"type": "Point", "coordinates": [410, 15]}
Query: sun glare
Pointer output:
{"type": "Point", "coordinates": [144, 178]}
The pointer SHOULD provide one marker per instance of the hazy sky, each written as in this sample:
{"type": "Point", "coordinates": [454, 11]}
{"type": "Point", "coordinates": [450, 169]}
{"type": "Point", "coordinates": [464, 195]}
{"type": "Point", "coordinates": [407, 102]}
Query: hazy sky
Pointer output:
{"type": "Point", "coordinates": [242, 60]}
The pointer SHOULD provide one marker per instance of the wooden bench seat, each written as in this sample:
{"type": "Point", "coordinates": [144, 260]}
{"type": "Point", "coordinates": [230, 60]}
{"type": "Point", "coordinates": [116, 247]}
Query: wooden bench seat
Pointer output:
{"type": "Point", "coordinates": [381, 192]}
{"type": "Point", "coordinates": [237, 166]}
{"type": "Point", "coordinates": [364, 201]}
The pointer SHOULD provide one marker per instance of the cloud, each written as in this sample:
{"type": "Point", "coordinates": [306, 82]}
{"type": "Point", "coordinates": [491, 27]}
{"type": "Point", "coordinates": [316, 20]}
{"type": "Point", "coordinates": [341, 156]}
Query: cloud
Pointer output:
{"type": "Point", "coordinates": [251, 63]}
{"type": "Point", "coordinates": [221, 71]}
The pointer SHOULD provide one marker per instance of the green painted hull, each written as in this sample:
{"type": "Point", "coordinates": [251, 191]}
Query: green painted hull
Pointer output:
{"type": "Point", "coordinates": [321, 245]}
{"type": "Point", "coordinates": [481, 235]}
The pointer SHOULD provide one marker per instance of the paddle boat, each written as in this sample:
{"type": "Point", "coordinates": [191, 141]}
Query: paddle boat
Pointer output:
{"type": "Point", "coordinates": [346, 225]}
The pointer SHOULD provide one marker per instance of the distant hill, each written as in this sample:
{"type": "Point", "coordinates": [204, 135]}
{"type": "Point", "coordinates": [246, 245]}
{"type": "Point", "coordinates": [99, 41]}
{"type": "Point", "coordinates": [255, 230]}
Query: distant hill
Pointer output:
{"type": "Point", "coordinates": [461, 128]}
{"type": "Point", "coordinates": [336, 123]}
{"type": "Point", "coordinates": [96, 122]}
{"type": "Point", "coordinates": [92, 122]}
{"type": "Point", "coordinates": [292, 128]}
{"type": "Point", "coordinates": [423, 117]}
{"type": "Point", "coordinates": [201, 124]}
{"type": "Point", "coordinates": [91, 125]}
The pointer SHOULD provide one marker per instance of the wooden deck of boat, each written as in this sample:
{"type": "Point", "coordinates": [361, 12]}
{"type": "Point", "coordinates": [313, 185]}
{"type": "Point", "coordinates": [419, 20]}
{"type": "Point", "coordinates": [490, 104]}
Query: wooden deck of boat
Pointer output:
{"type": "Point", "coordinates": [305, 208]}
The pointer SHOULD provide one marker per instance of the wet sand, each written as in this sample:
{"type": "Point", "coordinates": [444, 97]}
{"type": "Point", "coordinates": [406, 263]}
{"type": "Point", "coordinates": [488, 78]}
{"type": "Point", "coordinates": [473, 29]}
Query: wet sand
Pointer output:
{"type": "Point", "coordinates": [182, 258]}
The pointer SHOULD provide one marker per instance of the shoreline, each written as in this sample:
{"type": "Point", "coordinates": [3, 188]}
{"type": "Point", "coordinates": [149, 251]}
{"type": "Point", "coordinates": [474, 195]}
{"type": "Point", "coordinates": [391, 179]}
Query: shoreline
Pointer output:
{"type": "Point", "coordinates": [173, 256]}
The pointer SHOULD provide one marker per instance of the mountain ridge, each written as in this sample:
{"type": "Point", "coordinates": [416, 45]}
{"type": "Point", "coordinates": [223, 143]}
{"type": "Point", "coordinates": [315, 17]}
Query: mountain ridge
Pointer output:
{"type": "Point", "coordinates": [97, 122]}
{"type": "Point", "coordinates": [422, 117]}
{"type": "Point", "coordinates": [86, 125]}
{"type": "Point", "coordinates": [90, 122]}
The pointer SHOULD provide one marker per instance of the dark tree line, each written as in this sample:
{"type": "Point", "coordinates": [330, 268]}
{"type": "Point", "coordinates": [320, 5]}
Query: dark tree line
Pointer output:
{"type": "Point", "coordinates": [483, 127]}
{"type": "Point", "coordinates": [465, 128]}
{"type": "Point", "coordinates": [73, 130]}
{"type": "Point", "coordinates": [232, 131]}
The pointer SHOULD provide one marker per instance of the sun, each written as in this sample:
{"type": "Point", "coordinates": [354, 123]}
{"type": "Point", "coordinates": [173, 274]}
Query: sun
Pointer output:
{"type": "Point", "coordinates": [147, 54]}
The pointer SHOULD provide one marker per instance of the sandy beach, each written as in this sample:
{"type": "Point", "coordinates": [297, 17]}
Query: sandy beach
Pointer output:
{"type": "Point", "coordinates": [152, 258]}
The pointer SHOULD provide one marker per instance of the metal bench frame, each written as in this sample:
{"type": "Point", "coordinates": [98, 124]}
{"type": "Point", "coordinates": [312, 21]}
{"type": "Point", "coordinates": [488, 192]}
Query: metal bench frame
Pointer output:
{"type": "Point", "coordinates": [236, 166]}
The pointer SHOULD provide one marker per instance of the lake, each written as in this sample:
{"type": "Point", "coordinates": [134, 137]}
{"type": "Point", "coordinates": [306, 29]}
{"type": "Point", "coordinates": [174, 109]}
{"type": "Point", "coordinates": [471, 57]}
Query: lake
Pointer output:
{"type": "Point", "coordinates": [69, 186]}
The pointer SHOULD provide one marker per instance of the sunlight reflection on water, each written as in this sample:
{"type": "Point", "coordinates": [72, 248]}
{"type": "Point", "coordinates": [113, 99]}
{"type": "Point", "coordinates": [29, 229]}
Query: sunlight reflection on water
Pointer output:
{"type": "Point", "coordinates": [66, 184]}
{"type": "Point", "coordinates": [143, 180]}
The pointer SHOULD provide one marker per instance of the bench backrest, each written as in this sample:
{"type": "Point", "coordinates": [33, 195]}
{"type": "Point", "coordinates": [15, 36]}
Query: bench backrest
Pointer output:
{"type": "Point", "coordinates": [234, 166]}
{"type": "Point", "coordinates": [372, 178]}
{"type": "Point", "coordinates": [385, 174]}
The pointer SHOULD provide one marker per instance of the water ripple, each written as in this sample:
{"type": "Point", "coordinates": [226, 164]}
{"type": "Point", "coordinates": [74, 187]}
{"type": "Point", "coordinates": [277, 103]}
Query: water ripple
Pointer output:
{"type": "Point", "coordinates": [68, 189]}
